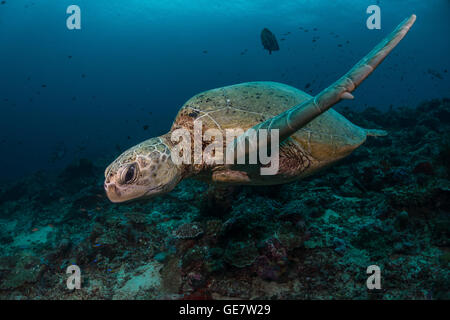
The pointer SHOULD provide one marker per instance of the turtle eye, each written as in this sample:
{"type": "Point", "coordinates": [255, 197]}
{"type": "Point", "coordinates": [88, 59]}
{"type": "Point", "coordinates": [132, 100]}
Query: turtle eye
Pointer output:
{"type": "Point", "coordinates": [129, 174]}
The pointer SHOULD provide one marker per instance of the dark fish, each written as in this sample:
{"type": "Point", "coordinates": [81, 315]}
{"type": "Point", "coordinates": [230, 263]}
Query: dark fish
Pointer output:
{"type": "Point", "coordinates": [269, 41]}
{"type": "Point", "coordinates": [435, 73]}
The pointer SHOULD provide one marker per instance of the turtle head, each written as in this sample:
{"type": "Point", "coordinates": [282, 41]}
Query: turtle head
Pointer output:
{"type": "Point", "coordinates": [143, 171]}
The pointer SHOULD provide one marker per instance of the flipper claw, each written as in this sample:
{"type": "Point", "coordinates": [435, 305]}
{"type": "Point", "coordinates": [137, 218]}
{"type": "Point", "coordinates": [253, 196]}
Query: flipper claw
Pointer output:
{"type": "Point", "coordinates": [347, 95]}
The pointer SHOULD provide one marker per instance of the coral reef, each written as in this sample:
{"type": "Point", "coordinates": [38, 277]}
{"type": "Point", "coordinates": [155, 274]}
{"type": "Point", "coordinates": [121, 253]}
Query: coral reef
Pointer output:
{"type": "Point", "coordinates": [387, 204]}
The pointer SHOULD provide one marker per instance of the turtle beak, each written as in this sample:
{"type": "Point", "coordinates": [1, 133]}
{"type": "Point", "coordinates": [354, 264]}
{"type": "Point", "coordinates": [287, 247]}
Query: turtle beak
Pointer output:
{"type": "Point", "coordinates": [121, 193]}
{"type": "Point", "coordinates": [113, 193]}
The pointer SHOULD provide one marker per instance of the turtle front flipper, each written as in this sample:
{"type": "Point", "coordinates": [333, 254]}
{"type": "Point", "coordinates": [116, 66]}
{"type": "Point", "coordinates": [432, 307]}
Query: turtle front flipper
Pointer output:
{"type": "Point", "coordinates": [300, 115]}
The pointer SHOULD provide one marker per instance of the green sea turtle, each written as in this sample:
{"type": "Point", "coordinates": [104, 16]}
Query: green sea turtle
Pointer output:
{"type": "Point", "coordinates": [311, 134]}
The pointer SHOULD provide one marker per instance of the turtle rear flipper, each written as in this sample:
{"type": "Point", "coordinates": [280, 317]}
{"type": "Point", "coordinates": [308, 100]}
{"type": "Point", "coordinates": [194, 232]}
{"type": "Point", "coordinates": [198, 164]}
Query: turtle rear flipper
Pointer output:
{"type": "Point", "coordinates": [300, 115]}
{"type": "Point", "coordinates": [376, 133]}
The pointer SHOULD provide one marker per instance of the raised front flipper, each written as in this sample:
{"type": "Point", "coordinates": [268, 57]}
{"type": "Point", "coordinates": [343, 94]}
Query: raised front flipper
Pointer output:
{"type": "Point", "coordinates": [298, 116]}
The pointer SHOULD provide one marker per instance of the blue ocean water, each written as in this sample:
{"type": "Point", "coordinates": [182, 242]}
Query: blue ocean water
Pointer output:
{"type": "Point", "coordinates": [67, 94]}
{"type": "Point", "coordinates": [72, 100]}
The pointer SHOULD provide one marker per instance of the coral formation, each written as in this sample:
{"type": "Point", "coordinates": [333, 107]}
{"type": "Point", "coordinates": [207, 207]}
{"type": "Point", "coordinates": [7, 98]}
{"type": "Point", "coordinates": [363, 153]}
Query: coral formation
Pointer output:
{"type": "Point", "coordinates": [188, 231]}
{"type": "Point", "coordinates": [387, 204]}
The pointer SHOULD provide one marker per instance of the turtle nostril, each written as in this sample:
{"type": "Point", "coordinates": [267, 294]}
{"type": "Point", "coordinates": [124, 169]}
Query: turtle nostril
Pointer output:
{"type": "Point", "coordinates": [112, 189]}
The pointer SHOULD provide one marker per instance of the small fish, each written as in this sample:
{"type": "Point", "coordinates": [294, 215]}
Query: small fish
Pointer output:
{"type": "Point", "coordinates": [435, 73]}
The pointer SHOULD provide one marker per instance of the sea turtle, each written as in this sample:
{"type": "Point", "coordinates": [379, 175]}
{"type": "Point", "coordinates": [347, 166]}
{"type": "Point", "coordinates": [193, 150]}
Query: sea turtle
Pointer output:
{"type": "Point", "coordinates": [311, 134]}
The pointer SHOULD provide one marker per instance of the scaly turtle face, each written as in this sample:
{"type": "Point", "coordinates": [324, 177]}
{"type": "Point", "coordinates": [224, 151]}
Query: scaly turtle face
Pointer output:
{"type": "Point", "coordinates": [143, 171]}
